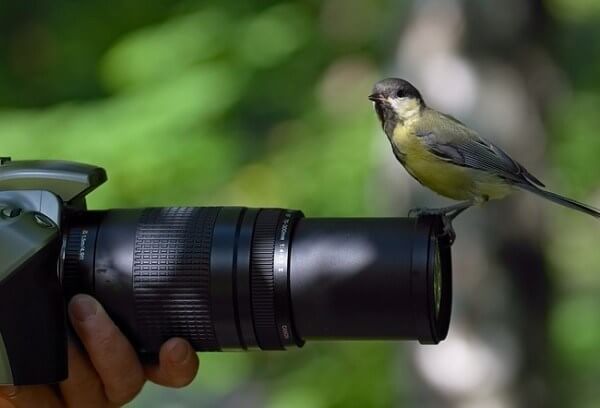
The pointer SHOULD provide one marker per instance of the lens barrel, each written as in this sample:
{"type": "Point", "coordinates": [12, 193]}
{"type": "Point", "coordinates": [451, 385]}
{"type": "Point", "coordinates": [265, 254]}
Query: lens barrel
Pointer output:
{"type": "Point", "coordinates": [371, 278]}
{"type": "Point", "coordinates": [244, 278]}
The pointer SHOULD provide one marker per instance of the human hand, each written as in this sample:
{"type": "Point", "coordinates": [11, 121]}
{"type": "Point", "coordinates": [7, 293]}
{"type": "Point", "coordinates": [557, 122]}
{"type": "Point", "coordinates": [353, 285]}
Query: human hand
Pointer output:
{"type": "Point", "coordinates": [108, 373]}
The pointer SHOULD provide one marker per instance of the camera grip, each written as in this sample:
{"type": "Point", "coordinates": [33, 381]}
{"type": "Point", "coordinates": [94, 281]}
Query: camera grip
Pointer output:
{"type": "Point", "coordinates": [32, 312]}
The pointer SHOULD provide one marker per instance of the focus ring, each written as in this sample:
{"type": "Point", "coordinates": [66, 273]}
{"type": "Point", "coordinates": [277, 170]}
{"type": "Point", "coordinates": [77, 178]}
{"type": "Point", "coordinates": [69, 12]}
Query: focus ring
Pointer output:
{"type": "Point", "coordinates": [262, 280]}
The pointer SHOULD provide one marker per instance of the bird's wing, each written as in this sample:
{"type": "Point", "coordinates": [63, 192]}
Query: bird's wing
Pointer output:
{"type": "Point", "coordinates": [452, 141]}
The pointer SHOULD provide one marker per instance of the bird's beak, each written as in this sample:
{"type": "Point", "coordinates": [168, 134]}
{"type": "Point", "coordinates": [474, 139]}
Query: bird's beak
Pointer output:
{"type": "Point", "coordinates": [376, 97]}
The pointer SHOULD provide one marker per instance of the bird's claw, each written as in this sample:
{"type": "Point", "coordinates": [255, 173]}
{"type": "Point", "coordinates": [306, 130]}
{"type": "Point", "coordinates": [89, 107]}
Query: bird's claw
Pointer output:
{"type": "Point", "coordinates": [415, 212]}
{"type": "Point", "coordinates": [449, 232]}
{"type": "Point", "coordinates": [446, 216]}
{"type": "Point", "coordinates": [419, 212]}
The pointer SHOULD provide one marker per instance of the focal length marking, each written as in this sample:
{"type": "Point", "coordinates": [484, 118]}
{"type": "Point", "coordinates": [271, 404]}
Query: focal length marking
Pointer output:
{"type": "Point", "coordinates": [82, 244]}
{"type": "Point", "coordinates": [281, 271]}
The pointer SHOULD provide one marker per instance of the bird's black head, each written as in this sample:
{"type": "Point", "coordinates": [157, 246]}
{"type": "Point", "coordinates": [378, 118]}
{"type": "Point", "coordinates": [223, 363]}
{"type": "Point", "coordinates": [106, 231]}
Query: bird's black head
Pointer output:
{"type": "Point", "coordinates": [395, 100]}
{"type": "Point", "coordinates": [394, 88]}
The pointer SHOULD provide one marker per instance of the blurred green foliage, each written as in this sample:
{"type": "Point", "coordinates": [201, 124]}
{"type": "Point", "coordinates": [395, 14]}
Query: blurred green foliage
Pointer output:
{"type": "Point", "coordinates": [573, 125]}
{"type": "Point", "coordinates": [263, 103]}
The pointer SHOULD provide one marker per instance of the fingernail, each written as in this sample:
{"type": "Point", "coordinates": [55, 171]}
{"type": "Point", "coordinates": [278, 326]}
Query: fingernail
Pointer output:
{"type": "Point", "coordinates": [178, 352]}
{"type": "Point", "coordinates": [83, 307]}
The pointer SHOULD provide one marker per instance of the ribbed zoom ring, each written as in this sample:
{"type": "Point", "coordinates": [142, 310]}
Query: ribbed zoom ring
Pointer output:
{"type": "Point", "coordinates": [262, 280]}
{"type": "Point", "coordinates": [171, 276]}
{"type": "Point", "coordinates": [72, 274]}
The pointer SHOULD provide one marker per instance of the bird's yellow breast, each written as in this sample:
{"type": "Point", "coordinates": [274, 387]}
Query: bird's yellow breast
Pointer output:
{"type": "Point", "coordinates": [445, 178]}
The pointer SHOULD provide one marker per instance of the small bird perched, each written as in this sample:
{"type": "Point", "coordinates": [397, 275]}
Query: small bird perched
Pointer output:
{"type": "Point", "coordinates": [443, 154]}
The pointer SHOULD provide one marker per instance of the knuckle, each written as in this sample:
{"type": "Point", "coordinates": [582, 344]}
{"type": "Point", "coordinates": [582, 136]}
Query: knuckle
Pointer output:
{"type": "Point", "coordinates": [9, 390]}
{"type": "Point", "coordinates": [104, 340]}
{"type": "Point", "coordinates": [124, 384]}
{"type": "Point", "coordinates": [89, 383]}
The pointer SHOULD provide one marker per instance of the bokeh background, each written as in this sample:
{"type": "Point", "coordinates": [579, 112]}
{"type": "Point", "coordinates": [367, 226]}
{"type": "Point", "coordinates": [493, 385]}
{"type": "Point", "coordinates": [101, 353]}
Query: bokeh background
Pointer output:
{"type": "Point", "coordinates": [263, 103]}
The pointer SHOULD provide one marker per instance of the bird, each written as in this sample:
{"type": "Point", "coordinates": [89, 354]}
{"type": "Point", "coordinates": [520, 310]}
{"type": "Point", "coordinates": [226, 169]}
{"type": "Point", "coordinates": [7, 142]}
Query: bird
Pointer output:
{"type": "Point", "coordinates": [448, 157]}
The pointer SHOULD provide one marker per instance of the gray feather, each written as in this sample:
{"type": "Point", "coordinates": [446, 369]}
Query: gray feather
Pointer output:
{"type": "Point", "coordinates": [452, 141]}
{"type": "Point", "coordinates": [564, 201]}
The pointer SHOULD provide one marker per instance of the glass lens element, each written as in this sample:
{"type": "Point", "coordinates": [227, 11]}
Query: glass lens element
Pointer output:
{"type": "Point", "coordinates": [437, 279]}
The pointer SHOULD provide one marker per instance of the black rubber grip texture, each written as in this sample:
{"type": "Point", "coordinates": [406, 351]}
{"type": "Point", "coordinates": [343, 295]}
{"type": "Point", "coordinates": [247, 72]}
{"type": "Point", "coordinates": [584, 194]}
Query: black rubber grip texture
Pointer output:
{"type": "Point", "coordinates": [171, 276]}
{"type": "Point", "coordinates": [72, 277]}
{"type": "Point", "coordinates": [262, 280]}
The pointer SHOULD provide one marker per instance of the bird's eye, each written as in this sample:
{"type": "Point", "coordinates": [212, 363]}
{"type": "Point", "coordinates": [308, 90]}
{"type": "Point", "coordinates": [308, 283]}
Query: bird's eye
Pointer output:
{"type": "Point", "coordinates": [400, 93]}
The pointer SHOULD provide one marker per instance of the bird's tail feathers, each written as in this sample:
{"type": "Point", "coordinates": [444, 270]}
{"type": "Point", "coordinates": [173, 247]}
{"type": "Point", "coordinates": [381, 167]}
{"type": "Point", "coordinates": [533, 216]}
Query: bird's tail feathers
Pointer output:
{"type": "Point", "coordinates": [565, 201]}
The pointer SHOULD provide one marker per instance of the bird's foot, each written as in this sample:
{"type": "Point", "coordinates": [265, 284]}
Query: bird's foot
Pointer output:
{"type": "Point", "coordinates": [447, 214]}
{"type": "Point", "coordinates": [448, 229]}
{"type": "Point", "coordinates": [419, 212]}
{"type": "Point", "coordinates": [438, 212]}
{"type": "Point", "coordinates": [450, 212]}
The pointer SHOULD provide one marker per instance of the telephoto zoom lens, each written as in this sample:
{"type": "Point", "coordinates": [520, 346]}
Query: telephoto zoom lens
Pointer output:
{"type": "Point", "coordinates": [244, 278]}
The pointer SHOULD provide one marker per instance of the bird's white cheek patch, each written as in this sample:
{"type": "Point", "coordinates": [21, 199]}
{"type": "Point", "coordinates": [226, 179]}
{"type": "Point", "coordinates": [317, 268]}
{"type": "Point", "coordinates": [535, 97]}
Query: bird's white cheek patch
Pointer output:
{"type": "Point", "coordinates": [405, 108]}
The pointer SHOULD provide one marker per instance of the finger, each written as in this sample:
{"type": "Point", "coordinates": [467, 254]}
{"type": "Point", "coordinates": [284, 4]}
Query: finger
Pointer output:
{"type": "Point", "coordinates": [5, 403]}
{"type": "Point", "coordinates": [39, 396]}
{"type": "Point", "coordinates": [178, 364]}
{"type": "Point", "coordinates": [110, 352]}
{"type": "Point", "coordinates": [84, 387]}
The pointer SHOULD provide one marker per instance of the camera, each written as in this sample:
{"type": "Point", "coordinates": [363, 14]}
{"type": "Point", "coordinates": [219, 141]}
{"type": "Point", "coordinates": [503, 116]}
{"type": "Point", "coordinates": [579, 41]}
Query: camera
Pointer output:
{"type": "Point", "coordinates": [224, 278]}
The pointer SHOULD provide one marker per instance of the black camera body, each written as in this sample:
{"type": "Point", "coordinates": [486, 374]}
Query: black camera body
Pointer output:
{"type": "Point", "coordinates": [221, 277]}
